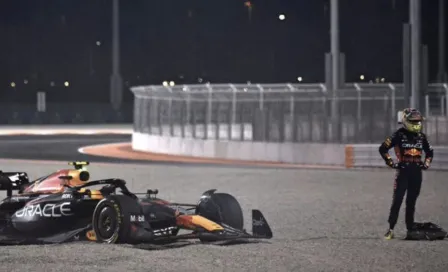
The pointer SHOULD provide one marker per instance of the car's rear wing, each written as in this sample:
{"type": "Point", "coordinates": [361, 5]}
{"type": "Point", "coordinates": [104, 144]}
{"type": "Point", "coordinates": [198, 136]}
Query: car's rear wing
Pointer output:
{"type": "Point", "coordinates": [10, 181]}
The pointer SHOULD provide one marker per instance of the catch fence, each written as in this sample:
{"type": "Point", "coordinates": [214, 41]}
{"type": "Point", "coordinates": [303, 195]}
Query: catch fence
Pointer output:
{"type": "Point", "coordinates": [357, 113]}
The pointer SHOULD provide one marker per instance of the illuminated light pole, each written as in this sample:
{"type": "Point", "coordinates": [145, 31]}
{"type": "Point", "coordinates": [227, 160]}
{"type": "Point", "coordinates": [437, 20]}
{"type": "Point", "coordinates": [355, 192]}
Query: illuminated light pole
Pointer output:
{"type": "Point", "coordinates": [415, 20]}
{"type": "Point", "coordinates": [248, 4]}
{"type": "Point", "coordinates": [335, 43]}
{"type": "Point", "coordinates": [442, 76]}
{"type": "Point", "coordinates": [116, 82]}
{"type": "Point", "coordinates": [334, 7]}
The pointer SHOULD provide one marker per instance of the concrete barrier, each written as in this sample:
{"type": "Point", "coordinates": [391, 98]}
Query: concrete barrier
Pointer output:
{"type": "Point", "coordinates": [294, 153]}
{"type": "Point", "coordinates": [347, 155]}
{"type": "Point", "coordinates": [367, 155]}
{"type": "Point", "coordinates": [201, 131]}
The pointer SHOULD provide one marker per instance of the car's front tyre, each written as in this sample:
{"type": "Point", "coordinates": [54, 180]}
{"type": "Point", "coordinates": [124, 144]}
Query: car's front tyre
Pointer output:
{"type": "Point", "coordinates": [111, 219]}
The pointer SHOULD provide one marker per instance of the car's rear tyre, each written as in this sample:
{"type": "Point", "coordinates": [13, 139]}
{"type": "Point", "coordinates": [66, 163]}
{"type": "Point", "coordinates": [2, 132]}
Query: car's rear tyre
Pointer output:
{"type": "Point", "coordinates": [222, 208]}
{"type": "Point", "coordinates": [111, 219]}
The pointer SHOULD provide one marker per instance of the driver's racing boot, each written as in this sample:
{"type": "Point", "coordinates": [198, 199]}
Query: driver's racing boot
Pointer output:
{"type": "Point", "coordinates": [415, 232]}
{"type": "Point", "coordinates": [389, 234]}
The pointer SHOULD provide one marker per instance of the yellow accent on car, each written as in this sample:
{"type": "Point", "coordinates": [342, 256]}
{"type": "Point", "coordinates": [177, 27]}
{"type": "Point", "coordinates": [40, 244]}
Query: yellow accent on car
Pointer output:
{"type": "Point", "coordinates": [94, 194]}
{"type": "Point", "coordinates": [205, 223]}
{"type": "Point", "coordinates": [80, 165]}
{"type": "Point", "coordinates": [75, 181]}
{"type": "Point", "coordinates": [90, 235]}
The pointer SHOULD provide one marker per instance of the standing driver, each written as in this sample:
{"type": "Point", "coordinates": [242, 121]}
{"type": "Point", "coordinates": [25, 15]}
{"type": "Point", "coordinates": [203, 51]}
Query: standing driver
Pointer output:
{"type": "Point", "coordinates": [408, 142]}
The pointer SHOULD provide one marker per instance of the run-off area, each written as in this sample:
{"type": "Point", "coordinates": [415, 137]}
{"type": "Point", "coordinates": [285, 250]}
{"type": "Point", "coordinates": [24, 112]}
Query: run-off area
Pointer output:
{"type": "Point", "coordinates": [322, 221]}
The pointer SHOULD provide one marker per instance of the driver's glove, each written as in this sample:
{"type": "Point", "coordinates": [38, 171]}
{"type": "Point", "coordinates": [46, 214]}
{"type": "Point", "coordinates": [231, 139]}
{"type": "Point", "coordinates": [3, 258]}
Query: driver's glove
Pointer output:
{"type": "Point", "coordinates": [393, 165]}
{"type": "Point", "coordinates": [425, 165]}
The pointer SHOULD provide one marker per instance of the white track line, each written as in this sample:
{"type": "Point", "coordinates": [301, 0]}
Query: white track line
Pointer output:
{"type": "Point", "coordinates": [213, 161]}
{"type": "Point", "coordinates": [29, 161]}
{"type": "Point", "coordinates": [58, 132]}
{"type": "Point", "coordinates": [81, 149]}
{"type": "Point", "coordinates": [66, 129]}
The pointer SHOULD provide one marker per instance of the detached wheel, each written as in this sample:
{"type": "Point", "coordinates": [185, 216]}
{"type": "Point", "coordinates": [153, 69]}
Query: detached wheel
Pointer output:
{"type": "Point", "coordinates": [111, 220]}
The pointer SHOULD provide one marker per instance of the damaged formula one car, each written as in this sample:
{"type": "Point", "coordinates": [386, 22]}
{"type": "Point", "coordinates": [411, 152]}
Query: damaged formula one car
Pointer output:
{"type": "Point", "coordinates": [63, 207]}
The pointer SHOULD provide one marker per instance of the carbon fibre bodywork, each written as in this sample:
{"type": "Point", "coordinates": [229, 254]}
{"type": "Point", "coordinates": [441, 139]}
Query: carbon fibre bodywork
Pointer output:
{"type": "Point", "coordinates": [74, 211]}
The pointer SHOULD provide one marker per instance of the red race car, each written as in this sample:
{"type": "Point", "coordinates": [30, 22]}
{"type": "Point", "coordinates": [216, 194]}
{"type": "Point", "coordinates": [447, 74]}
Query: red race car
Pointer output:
{"type": "Point", "coordinates": [63, 207]}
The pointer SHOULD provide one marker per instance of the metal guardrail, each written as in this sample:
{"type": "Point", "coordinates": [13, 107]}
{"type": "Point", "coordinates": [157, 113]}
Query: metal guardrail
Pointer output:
{"type": "Point", "coordinates": [367, 155]}
{"type": "Point", "coordinates": [284, 112]}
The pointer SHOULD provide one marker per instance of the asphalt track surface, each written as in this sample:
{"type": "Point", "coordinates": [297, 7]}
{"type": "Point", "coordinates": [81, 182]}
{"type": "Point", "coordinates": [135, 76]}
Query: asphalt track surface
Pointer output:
{"type": "Point", "coordinates": [66, 148]}
{"type": "Point", "coordinates": [323, 220]}
{"type": "Point", "coordinates": [57, 147]}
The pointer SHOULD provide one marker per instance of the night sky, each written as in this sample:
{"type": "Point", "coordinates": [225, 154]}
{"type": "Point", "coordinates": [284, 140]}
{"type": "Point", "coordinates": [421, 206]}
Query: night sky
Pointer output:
{"type": "Point", "coordinates": [183, 40]}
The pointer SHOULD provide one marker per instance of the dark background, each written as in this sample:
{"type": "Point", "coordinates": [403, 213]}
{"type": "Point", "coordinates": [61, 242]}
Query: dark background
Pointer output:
{"type": "Point", "coordinates": [45, 43]}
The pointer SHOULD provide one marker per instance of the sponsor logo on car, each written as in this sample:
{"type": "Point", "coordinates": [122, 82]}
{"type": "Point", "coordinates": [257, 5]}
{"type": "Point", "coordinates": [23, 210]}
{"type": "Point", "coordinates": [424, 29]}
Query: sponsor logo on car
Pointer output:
{"type": "Point", "coordinates": [137, 218]}
{"type": "Point", "coordinates": [164, 231]}
{"type": "Point", "coordinates": [47, 210]}
{"type": "Point", "coordinates": [258, 223]}
{"type": "Point", "coordinates": [65, 196]}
